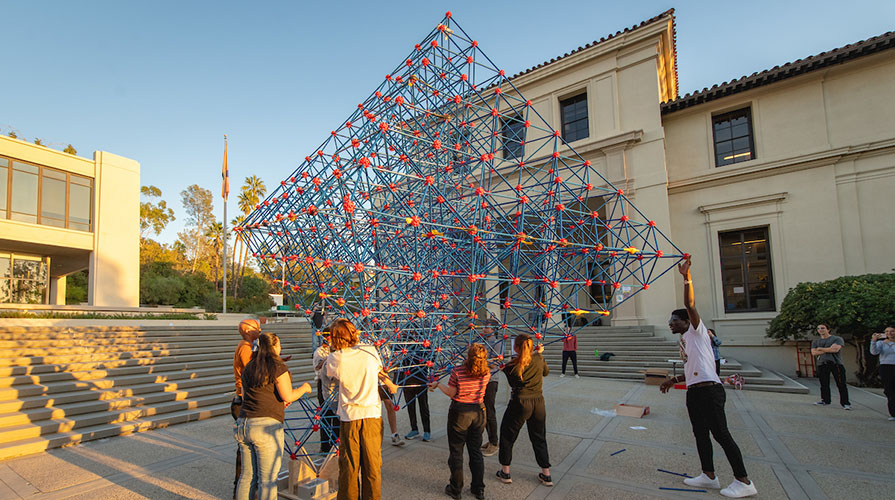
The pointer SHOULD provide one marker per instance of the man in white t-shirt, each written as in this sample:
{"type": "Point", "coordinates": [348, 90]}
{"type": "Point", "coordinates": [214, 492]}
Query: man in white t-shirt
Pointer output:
{"type": "Point", "coordinates": [358, 369]}
{"type": "Point", "coordinates": [705, 396]}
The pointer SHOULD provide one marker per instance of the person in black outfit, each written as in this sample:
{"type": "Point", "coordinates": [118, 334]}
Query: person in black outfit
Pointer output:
{"type": "Point", "coordinates": [490, 448]}
{"type": "Point", "coordinates": [416, 392]}
{"type": "Point", "coordinates": [525, 375]}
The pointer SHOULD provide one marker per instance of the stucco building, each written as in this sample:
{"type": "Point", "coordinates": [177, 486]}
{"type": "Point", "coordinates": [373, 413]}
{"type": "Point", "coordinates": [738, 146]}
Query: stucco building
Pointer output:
{"type": "Point", "coordinates": [770, 180]}
{"type": "Point", "coordinates": [59, 214]}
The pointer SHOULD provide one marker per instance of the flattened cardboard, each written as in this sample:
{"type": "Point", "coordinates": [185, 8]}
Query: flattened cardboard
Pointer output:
{"type": "Point", "coordinates": [636, 411]}
{"type": "Point", "coordinates": [655, 376]}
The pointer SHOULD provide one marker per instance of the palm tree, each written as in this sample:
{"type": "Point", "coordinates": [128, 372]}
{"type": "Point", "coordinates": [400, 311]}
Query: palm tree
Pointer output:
{"type": "Point", "coordinates": [240, 240]}
{"type": "Point", "coordinates": [215, 239]}
{"type": "Point", "coordinates": [250, 195]}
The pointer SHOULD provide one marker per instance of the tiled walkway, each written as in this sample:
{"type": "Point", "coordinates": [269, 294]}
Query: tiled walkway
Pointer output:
{"type": "Point", "coordinates": [793, 450]}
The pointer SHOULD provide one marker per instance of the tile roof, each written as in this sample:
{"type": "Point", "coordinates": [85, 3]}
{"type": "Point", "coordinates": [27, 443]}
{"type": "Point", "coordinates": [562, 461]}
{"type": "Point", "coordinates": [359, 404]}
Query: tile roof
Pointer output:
{"type": "Point", "coordinates": [788, 70]}
{"type": "Point", "coordinates": [668, 13]}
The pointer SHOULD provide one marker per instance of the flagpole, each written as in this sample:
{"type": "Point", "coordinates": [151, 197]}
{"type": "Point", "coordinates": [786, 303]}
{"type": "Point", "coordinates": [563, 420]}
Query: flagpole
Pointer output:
{"type": "Point", "coordinates": [224, 237]}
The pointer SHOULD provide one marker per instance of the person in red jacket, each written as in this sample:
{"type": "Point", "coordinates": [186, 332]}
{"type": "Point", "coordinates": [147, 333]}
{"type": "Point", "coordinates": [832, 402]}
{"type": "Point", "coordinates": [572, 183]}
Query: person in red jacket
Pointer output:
{"type": "Point", "coordinates": [569, 351]}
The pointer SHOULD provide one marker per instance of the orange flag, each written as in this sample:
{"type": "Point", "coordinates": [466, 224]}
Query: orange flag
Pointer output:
{"type": "Point", "coordinates": [225, 174]}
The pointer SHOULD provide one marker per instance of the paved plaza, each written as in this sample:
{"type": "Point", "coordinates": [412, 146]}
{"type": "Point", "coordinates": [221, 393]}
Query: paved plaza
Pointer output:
{"type": "Point", "coordinates": [793, 450]}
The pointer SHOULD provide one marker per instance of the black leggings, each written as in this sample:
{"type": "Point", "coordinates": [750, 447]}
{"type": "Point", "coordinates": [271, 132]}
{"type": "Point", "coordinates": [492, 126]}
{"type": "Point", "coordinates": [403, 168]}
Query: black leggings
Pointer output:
{"type": "Point", "coordinates": [413, 395]}
{"type": "Point", "coordinates": [823, 374]}
{"type": "Point", "coordinates": [887, 373]}
{"type": "Point", "coordinates": [490, 412]}
{"type": "Point", "coordinates": [567, 355]}
{"type": "Point", "coordinates": [706, 408]}
{"type": "Point", "coordinates": [532, 413]}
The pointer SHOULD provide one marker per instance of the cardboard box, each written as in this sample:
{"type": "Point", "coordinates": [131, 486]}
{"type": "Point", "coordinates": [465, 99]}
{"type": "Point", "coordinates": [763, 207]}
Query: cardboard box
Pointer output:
{"type": "Point", "coordinates": [655, 376]}
{"type": "Point", "coordinates": [636, 411]}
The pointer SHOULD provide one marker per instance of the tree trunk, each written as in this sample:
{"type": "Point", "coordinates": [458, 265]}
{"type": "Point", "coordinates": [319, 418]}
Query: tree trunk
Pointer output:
{"type": "Point", "coordinates": [868, 368]}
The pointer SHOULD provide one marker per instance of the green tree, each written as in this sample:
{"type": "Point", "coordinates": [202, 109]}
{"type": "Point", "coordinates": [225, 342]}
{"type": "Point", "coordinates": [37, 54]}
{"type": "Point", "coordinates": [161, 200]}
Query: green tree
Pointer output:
{"type": "Point", "coordinates": [215, 239]}
{"type": "Point", "coordinates": [153, 216]}
{"type": "Point", "coordinates": [70, 150]}
{"type": "Point", "coordinates": [853, 306]}
{"type": "Point", "coordinates": [250, 195]}
{"type": "Point", "coordinates": [76, 288]}
{"type": "Point", "coordinates": [199, 205]}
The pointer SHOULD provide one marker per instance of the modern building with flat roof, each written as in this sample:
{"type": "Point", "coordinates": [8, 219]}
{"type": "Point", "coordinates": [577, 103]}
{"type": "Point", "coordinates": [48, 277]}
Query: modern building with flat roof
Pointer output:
{"type": "Point", "coordinates": [60, 214]}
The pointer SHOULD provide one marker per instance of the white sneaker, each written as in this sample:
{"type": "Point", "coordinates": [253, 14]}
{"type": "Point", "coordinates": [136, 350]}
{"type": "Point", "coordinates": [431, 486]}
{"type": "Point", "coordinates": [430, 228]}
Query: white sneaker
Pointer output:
{"type": "Point", "coordinates": [576, 376]}
{"type": "Point", "coordinates": [891, 419]}
{"type": "Point", "coordinates": [562, 375]}
{"type": "Point", "coordinates": [738, 489]}
{"type": "Point", "coordinates": [396, 440]}
{"type": "Point", "coordinates": [703, 481]}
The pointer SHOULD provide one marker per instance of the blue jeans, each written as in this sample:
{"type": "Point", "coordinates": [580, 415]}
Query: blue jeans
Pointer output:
{"type": "Point", "coordinates": [261, 444]}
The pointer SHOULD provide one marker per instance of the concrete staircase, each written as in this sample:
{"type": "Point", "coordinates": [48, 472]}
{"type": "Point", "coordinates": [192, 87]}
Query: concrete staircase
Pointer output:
{"type": "Point", "coordinates": [65, 385]}
{"type": "Point", "coordinates": [637, 348]}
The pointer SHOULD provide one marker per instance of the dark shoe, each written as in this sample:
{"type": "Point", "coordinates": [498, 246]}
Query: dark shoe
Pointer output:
{"type": "Point", "coordinates": [490, 450]}
{"type": "Point", "coordinates": [545, 480]}
{"type": "Point", "coordinates": [479, 495]}
{"type": "Point", "coordinates": [504, 477]}
{"type": "Point", "coordinates": [451, 493]}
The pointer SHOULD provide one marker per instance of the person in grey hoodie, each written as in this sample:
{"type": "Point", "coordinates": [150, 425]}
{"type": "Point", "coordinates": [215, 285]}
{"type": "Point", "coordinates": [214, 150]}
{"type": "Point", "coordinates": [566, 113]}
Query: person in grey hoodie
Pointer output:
{"type": "Point", "coordinates": [883, 345]}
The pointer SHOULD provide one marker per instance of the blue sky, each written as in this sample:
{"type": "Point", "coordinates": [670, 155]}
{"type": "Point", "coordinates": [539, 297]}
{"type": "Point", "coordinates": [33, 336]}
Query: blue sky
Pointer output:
{"type": "Point", "coordinates": [161, 82]}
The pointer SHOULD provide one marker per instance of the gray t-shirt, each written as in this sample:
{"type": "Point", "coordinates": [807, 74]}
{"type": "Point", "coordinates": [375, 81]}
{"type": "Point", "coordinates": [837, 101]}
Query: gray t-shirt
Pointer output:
{"type": "Point", "coordinates": [828, 357]}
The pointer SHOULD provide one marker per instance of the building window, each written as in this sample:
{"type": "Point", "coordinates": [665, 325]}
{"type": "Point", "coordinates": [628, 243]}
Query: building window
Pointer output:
{"type": "Point", "coordinates": [746, 270]}
{"type": "Point", "coordinates": [574, 117]}
{"type": "Point", "coordinates": [23, 279]}
{"type": "Point", "coordinates": [23, 192]}
{"type": "Point", "coordinates": [42, 195]}
{"type": "Point", "coordinates": [733, 137]}
{"type": "Point", "coordinates": [4, 188]}
{"type": "Point", "coordinates": [513, 136]}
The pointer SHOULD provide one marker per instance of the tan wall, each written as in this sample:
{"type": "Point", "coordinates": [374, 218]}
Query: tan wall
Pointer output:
{"type": "Point", "coordinates": [115, 261]}
{"type": "Point", "coordinates": [822, 181]}
{"type": "Point", "coordinates": [626, 138]}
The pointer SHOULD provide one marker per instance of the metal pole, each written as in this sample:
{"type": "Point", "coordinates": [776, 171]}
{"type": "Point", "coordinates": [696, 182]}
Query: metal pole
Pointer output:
{"type": "Point", "coordinates": [224, 259]}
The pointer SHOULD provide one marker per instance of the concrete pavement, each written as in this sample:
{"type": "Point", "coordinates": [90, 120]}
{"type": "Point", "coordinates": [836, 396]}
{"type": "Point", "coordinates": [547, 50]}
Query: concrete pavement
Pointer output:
{"type": "Point", "coordinates": [793, 450]}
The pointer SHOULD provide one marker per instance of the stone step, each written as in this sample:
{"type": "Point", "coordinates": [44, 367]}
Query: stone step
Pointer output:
{"type": "Point", "coordinates": [72, 350]}
{"type": "Point", "coordinates": [29, 343]}
{"type": "Point", "coordinates": [48, 333]}
{"type": "Point", "coordinates": [73, 409]}
{"type": "Point", "coordinates": [106, 356]}
{"type": "Point", "coordinates": [38, 369]}
{"type": "Point", "coordinates": [59, 439]}
{"type": "Point", "coordinates": [37, 429]}
{"type": "Point", "coordinates": [299, 373]}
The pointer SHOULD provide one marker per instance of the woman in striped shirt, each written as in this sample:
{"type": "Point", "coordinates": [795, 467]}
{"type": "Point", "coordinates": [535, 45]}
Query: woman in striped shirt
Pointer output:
{"type": "Point", "coordinates": [466, 420]}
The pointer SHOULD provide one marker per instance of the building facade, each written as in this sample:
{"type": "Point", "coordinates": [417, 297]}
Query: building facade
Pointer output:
{"type": "Point", "coordinates": [60, 214]}
{"type": "Point", "coordinates": [782, 177]}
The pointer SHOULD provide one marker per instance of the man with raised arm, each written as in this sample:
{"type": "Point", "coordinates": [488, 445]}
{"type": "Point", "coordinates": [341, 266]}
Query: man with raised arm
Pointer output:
{"type": "Point", "coordinates": [705, 396]}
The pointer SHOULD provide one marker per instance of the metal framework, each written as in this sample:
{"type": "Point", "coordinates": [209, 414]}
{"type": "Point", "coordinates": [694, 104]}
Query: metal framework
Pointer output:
{"type": "Point", "coordinates": [445, 200]}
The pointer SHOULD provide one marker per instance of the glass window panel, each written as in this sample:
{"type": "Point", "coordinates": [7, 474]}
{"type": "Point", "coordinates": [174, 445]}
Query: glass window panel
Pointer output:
{"type": "Point", "coordinates": [741, 143]}
{"type": "Point", "coordinates": [29, 292]}
{"type": "Point", "coordinates": [4, 266]}
{"type": "Point", "coordinates": [79, 204]}
{"type": "Point", "coordinates": [746, 270]}
{"type": "Point", "coordinates": [5, 291]}
{"type": "Point", "coordinates": [723, 148]}
{"type": "Point", "coordinates": [80, 179]}
{"type": "Point", "coordinates": [47, 221]}
{"type": "Point", "coordinates": [574, 118]}
{"type": "Point", "coordinates": [53, 199]}
{"type": "Point", "coordinates": [78, 226]}
{"type": "Point", "coordinates": [4, 162]}
{"type": "Point", "coordinates": [25, 167]}
{"type": "Point", "coordinates": [24, 193]}
{"type": "Point", "coordinates": [53, 174]}
{"type": "Point", "coordinates": [722, 134]}
{"type": "Point", "coordinates": [741, 130]}
{"type": "Point", "coordinates": [26, 268]}
{"type": "Point", "coordinates": [4, 186]}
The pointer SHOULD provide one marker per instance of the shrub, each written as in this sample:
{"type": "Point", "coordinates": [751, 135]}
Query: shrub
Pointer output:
{"type": "Point", "coordinates": [850, 305]}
